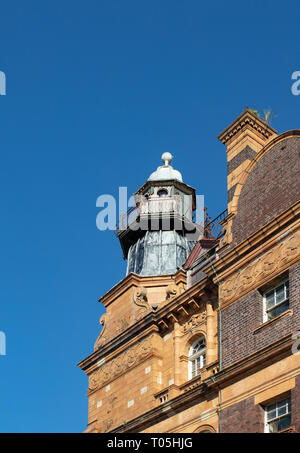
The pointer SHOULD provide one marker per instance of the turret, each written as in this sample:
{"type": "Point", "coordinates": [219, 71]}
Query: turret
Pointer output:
{"type": "Point", "coordinates": [160, 232]}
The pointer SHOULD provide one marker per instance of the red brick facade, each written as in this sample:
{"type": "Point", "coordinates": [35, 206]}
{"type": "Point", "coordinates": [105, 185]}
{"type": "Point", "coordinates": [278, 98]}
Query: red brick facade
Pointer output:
{"type": "Point", "coordinates": [271, 187]}
{"type": "Point", "coordinates": [240, 321]}
{"type": "Point", "coordinates": [243, 417]}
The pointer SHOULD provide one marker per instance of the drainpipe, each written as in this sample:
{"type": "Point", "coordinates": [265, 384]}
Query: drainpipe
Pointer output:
{"type": "Point", "coordinates": [220, 346]}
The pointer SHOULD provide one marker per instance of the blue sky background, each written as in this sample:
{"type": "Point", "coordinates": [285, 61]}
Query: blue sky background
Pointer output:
{"type": "Point", "coordinates": [96, 91]}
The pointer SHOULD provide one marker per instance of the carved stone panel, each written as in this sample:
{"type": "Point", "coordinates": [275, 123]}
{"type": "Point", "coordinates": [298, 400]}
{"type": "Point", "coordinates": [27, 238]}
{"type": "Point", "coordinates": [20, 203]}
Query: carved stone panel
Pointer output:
{"type": "Point", "coordinates": [195, 321]}
{"type": "Point", "coordinates": [120, 364]}
{"type": "Point", "coordinates": [255, 273]}
{"type": "Point", "coordinates": [137, 309]}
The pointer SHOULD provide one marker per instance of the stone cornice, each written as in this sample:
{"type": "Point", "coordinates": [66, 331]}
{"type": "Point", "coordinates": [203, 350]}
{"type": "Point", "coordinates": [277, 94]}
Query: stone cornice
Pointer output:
{"type": "Point", "coordinates": [185, 304]}
{"type": "Point", "coordinates": [170, 182]}
{"type": "Point", "coordinates": [181, 306]}
{"type": "Point", "coordinates": [134, 280]}
{"type": "Point", "coordinates": [119, 288]}
{"type": "Point", "coordinates": [250, 120]}
{"type": "Point", "coordinates": [145, 326]}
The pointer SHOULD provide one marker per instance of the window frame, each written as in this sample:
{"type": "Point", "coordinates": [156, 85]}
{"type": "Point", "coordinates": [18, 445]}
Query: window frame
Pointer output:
{"type": "Point", "coordinates": [273, 289]}
{"type": "Point", "coordinates": [194, 371]}
{"type": "Point", "coordinates": [276, 403]}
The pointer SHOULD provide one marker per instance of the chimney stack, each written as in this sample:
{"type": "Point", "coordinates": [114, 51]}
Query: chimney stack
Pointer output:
{"type": "Point", "coordinates": [244, 138]}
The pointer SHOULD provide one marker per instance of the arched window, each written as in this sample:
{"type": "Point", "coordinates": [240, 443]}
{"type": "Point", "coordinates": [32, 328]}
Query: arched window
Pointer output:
{"type": "Point", "coordinates": [197, 357]}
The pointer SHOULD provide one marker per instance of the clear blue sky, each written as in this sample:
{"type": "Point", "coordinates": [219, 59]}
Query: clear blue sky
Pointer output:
{"type": "Point", "coordinates": [96, 91]}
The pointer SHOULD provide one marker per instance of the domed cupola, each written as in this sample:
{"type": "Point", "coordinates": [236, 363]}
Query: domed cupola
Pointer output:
{"type": "Point", "coordinates": [161, 233]}
{"type": "Point", "coordinates": [165, 172]}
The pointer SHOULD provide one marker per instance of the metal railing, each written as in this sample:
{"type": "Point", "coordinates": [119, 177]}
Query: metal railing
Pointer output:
{"type": "Point", "coordinates": [213, 229]}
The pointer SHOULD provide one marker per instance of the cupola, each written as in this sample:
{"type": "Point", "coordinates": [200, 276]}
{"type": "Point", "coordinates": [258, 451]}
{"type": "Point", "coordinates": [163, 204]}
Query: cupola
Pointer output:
{"type": "Point", "coordinates": [160, 232]}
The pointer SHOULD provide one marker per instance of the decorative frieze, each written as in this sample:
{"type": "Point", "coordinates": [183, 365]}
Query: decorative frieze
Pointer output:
{"type": "Point", "coordinates": [120, 364]}
{"type": "Point", "coordinates": [255, 273]}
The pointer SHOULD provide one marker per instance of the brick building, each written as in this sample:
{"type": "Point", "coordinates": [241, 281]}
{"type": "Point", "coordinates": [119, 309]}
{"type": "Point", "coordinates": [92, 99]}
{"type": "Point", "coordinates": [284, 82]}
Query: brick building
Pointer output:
{"type": "Point", "coordinates": [202, 333]}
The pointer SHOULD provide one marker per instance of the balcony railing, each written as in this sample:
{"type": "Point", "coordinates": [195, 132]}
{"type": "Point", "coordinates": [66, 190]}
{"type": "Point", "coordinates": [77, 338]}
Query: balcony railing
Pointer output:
{"type": "Point", "coordinates": [151, 206]}
{"type": "Point", "coordinates": [164, 205]}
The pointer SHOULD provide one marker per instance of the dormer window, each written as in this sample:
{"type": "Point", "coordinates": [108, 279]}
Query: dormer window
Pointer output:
{"type": "Point", "coordinates": [162, 193]}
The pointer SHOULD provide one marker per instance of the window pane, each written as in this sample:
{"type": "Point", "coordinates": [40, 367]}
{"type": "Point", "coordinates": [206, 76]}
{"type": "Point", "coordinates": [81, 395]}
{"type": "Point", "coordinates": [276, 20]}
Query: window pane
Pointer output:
{"type": "Point", "coordinates": [271, 412]}
{"type": "Point", "coordinates": [198, 346]}
{"type": "Point", "coordinates": [280, 296]}
{"type": "Point", "coordinates": [283, 403]}
{"type": "Point", "coordinates": [278, 310]}
{"type": "Point", "coordinates": [282, 410]}
{"type": "Point", "coordinates": [280, 424]}
{"type": "Point", "coordinates": [196, 367]}
{"type": "Point", "coordinates": [284, 422]}
{"type": "Point", "coordinates": [283, 407]}
{"type": "Point", "coordinates": [270, 300]}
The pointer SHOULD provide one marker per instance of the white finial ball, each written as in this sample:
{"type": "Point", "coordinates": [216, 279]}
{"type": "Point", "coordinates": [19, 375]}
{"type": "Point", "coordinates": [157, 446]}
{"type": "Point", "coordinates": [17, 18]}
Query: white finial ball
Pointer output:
{"type": "Point", "coordinates": [167, 158]}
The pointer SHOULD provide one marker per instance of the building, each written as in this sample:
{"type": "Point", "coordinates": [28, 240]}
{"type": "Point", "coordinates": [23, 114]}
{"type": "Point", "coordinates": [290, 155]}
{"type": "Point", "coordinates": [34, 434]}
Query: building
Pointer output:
{"type": "Point", "coordinates": [202, 334]}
